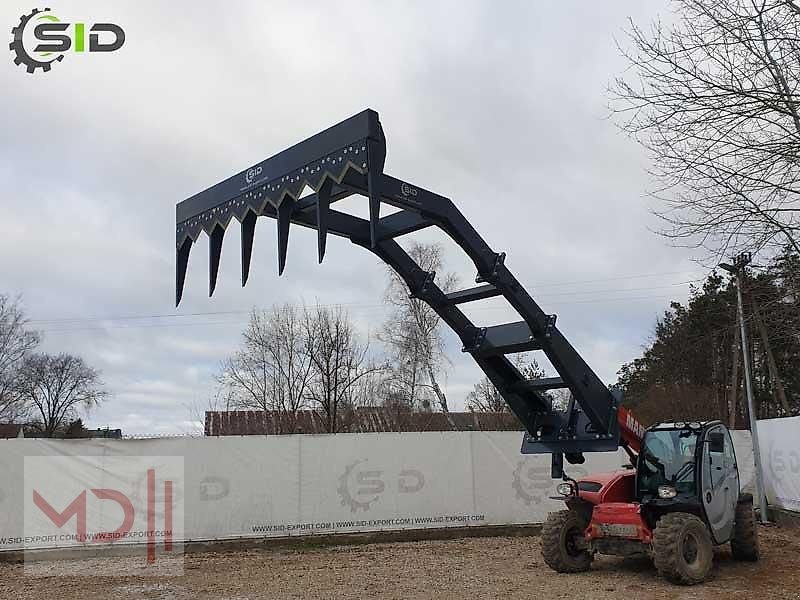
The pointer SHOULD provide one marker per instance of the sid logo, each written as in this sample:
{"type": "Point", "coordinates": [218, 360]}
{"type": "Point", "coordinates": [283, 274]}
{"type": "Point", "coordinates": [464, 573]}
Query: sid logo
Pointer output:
{"type": "Point", "coordinates": [532, 482]}
{"type": "Point", "coordinates": [41, 39]}
{"type": "Point", "coordinates": [783, 462]}
{"type": "Point", "coordinates": [252, 173]}
{"type": "Point", "coordinates": [407, 190]}
{"type": "Point", "coordinates": [360, 487]}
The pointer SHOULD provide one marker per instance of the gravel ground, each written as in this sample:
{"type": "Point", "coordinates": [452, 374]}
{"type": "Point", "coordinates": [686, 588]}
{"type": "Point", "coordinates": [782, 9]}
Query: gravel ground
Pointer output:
{"type": "Point", "coordinates": [499, 567]}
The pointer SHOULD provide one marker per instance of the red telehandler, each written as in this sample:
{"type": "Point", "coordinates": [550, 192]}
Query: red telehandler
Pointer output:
{"type": "Point", "coordinates": [680, 495]}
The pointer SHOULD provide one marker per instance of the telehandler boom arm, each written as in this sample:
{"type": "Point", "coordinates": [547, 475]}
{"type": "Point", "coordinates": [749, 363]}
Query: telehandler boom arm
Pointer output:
{"type": "Point", "coordinates": [348, 159]}
{"type": "Point", "coordinates": [631, 431]}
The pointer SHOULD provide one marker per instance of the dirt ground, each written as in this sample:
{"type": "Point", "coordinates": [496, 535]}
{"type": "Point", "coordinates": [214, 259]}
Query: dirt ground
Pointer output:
{"type": "Point", "coordinates": [500, 567]}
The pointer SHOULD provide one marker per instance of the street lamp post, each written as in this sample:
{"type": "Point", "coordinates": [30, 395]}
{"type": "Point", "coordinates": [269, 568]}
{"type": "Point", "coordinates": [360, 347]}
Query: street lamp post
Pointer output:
{"type": "Point", "coordinates": [737, 269]}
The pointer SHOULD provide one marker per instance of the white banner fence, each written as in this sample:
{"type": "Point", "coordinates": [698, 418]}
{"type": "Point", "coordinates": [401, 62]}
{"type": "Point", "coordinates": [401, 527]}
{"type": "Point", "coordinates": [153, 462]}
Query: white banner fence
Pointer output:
{"type": "Point", "coordinates": [276, 486]}
{"type": "Point", "coordinates": [780, 455]}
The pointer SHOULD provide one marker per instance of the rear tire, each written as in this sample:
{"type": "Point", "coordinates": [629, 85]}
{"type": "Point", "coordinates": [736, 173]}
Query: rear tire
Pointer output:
{"type": "Point", "coordinates": [562, 542]}
{"type": "Point", "coordinates": [682, 548]}
{"type": "Point", "coordinates": [744, 542]}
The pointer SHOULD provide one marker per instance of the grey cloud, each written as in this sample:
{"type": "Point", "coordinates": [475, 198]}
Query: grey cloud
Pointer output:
{"type": "Point", "coordinates": [500, 107]}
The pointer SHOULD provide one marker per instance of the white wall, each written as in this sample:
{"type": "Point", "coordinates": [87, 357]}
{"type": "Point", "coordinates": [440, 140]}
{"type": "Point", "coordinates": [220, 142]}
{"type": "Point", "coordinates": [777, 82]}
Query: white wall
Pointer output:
{"type": "Point", "coordinates": [306, 484]}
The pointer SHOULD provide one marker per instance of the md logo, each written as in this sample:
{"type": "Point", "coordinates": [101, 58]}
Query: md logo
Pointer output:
{"type": "Point", "coordinates": [41, 39]}
{"type": "Point", "coordinates": [85, 500]}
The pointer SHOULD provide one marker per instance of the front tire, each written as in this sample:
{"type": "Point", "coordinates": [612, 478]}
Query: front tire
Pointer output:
{"type": "Point", "coordinates": [563, 547]}
{"type": "Point", "coordinates": [682, 548]}
{"type": "Point", "coordinates": [744, 542]}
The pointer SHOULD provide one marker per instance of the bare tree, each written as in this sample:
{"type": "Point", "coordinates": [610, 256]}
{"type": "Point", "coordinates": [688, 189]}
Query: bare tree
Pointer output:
{"type": "Point", "coordinates": [412, 335]}
{"type": "Point", "coordinates": [484, 397]}
{"type": "Point", "coordinates": [272, 370]}
{"type": "Point", "coordinates": [56, 386]}
{"type": "Point", "coordinates": [293, 359]}
{"type": "Point", "coordinates": [714, 99]}
{"type": "Point", "coordinates": [16, 342]}
{"type": "Point", "coordinates": [341, 368]}
{"type": "Point", "coordinates": [221, 400]}
{"type": "Point", "coordinates": [778, 389]}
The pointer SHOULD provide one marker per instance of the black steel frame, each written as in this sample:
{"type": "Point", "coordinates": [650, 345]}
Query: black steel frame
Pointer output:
{"type": "Point", "coordinates": [348, 159]}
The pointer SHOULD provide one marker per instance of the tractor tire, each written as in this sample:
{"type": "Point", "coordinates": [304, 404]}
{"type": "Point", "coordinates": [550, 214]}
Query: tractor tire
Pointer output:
{"type": "Point", "coordinates": [682, 548]}
{"type": "Point", "coordinates": [744, 542]}
{"type": "Point", "coordinates": [561, 549]}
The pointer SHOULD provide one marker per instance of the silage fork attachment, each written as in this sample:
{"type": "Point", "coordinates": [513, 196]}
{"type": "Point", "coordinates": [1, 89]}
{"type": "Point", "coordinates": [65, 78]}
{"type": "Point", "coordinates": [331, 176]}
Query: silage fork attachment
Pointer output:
{"type": "Point", "coordinates": [348, 159]}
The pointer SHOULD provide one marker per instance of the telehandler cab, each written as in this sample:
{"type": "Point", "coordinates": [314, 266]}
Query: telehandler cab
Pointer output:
{"type": "Point", "coordinates": [681, 497]}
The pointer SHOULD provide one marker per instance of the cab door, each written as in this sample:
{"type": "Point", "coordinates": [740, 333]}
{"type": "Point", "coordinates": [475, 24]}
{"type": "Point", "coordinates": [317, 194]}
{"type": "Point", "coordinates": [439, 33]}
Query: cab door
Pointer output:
{"type": "Point", "coordinates": [719, 482]}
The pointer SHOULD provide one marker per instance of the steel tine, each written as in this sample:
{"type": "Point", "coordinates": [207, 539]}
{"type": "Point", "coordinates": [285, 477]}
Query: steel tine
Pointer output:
{"type": "Point", "coordinates": [284, 219]}
{"type": "Point", "coordinates": [214, 253]}
{"type": "Point", "coordinates": [248, 234]}
{"type": "Point", "coordinates": [181, 261]}
{"type": "Point", "coordinates": [323, 212]}
{"type": "Point", "coordinates": [376, 158]}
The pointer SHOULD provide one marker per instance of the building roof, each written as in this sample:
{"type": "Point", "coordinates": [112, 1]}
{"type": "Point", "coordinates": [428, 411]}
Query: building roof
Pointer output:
{"type": "Point", "coordinates": [10, 430]}
{"type": "Point", "coordinates": [361, 420]}
{"type": "Point", "coordinates": [115, 434]}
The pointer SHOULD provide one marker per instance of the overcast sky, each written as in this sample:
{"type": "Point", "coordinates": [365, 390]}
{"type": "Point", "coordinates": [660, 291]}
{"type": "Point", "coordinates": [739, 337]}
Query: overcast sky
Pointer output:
{"type": "Point", "coordinates": [499, 106]}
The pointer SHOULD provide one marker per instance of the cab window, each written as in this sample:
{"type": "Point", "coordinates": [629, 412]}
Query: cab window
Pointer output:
{"type": "Point", "coordinates": [730, 454]}
{"type": "Point", "coordinates": [667, 458]}
{"type": "Point", "coordinates": [714, 460]}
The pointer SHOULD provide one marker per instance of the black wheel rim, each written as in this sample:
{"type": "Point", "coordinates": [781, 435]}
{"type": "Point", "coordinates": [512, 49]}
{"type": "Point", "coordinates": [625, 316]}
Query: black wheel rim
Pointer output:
{"type": "Point", "coordinates": [571, 541]}
{"type": "Point", "coordinates": [690, 550]}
